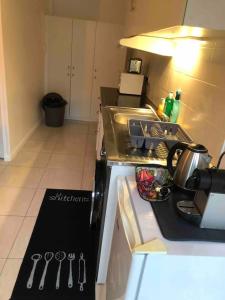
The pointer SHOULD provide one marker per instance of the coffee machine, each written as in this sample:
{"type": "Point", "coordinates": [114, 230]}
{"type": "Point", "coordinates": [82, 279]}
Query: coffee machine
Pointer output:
{"type": "Point", "coordinates": [207, 210]}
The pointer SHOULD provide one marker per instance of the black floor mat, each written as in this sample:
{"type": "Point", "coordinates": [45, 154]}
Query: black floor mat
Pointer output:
{"type": "Point", "coordinates": [60, 260]}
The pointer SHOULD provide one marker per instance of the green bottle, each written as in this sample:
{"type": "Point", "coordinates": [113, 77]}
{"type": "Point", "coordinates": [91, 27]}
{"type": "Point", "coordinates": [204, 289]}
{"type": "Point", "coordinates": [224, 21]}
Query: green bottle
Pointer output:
{"type": "Point", "coordinates": [176, 107]}
{"type": "Point", "coordinates": [169, 104]}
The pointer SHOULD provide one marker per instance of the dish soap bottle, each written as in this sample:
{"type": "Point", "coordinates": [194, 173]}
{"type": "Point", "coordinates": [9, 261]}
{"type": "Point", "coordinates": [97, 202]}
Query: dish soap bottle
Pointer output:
{"type": "Point", "coordinates": [169, 104]}
{"type": "Point", "coordinates": [161, 107]}
{"type": "Point", "coordinates": [176, 107]}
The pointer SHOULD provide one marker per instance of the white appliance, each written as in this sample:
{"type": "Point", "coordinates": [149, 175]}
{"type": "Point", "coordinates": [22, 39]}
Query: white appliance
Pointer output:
{"type": "Point", "coordinates": [131, 83]}
{"type": "Point", "coordinates": [143, 265]}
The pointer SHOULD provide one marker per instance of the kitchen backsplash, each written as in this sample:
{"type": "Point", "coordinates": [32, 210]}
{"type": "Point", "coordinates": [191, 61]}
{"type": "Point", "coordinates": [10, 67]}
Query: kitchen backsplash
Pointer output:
{"type": "Point", "coordinates": [199, 70]}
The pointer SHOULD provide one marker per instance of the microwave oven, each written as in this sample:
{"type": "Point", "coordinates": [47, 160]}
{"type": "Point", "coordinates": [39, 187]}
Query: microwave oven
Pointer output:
{"type": "Point", "coordinates": [131, 83]}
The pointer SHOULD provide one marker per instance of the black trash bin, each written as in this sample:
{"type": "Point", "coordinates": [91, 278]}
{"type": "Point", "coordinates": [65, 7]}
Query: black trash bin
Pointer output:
{"type": "Point", "coordinates": [54, 107]}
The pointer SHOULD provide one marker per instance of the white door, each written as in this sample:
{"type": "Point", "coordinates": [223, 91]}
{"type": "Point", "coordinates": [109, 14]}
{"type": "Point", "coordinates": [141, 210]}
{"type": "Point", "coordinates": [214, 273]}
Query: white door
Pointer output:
{"type": "Point", "coordinates": [83, 47]}
{"type": "Point", "coordinates": [58, 56]}
{"type": "Point", "coordinates": [109, 60]}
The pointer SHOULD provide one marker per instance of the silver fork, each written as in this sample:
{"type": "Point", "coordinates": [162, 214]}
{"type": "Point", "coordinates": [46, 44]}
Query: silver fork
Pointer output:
{"type": "Point", "coordinates": [71, 257]}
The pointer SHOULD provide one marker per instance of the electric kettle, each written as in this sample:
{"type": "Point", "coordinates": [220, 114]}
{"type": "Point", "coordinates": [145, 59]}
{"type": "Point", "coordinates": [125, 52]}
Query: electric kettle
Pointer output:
{"type": "Point", "coordinates": [193, 156]}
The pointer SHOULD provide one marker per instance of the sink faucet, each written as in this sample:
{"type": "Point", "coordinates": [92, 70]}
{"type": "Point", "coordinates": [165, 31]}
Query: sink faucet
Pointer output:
{"type": "Point", "coordinates": [163, 117]}
{"type": "Point", "coordinates": [148, 106]}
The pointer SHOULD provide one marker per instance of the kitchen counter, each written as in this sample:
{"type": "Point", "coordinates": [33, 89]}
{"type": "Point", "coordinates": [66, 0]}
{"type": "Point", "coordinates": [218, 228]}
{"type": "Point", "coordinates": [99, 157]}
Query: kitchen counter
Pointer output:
{"type": "Point", "coordinates": [176, 270]}
{"type": "Point", "coordinates": [112, 97]}
{"type": "Point", "coordinates": [147, 221]}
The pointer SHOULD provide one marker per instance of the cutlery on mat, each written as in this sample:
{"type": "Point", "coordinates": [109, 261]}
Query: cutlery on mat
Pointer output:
{"type": "Point", "coordinates": [48, 257]}
{"type": "Point", "coordinates": [82, 272]}
{"type": "Point", "coordinates": [35, 258]}
{"type": "Point", "coordinates": [60, 256]}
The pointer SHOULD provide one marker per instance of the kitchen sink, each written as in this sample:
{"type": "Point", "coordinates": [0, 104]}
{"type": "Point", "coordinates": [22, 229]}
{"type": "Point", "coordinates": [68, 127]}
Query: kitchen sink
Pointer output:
{"type": "Point", "coordinates": [122, 118]}
{"type": "Point", "coordinates": [117, 140]}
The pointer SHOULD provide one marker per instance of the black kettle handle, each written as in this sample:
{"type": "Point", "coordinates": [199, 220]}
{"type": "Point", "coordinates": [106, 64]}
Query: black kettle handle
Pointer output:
{"type": "Point", "coordinates": [172, 151]}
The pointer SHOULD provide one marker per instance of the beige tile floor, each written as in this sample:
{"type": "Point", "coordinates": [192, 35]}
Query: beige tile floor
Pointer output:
{"type": "Point", "coordinates": [51, 158]}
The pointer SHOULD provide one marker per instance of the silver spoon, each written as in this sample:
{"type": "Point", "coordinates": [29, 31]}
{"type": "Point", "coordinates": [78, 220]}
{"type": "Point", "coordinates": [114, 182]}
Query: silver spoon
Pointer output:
{"type": "Point", "coordinates": [48, 257]}
{"type": "Point", "coordinates": [35, 258]}
{"type": "Point", "coordinates": [60, 256]}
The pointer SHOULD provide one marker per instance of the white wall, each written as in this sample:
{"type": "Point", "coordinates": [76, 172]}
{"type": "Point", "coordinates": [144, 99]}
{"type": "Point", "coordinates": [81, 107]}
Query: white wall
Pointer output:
{"type": "Point", "coordinates": [199, 70]}
{"type": "Point", "coordinates": [84, 9]}
{"type": "Point", "coordinates": [100, 10]}
{"type": "Point", "coordinates": [112, 11]}
{"type": "Point", "coordinates": [23, 44]}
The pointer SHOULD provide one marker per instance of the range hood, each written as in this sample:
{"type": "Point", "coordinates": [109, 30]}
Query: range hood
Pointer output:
{"type": "Point", "coordinates": [153, 44]}
{"type": "Point", "coordinates": [202, 20]}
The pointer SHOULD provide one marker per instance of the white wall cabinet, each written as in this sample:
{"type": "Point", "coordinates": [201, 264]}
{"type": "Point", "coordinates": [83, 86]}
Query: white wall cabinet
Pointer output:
{"type": "Point", "coordinates": [58, 56]}
{"type": "Point", "coordinates": [81, 57]}
{"type": "Point", "coordinates": [83, 47]}
{"type": "Point", "coordinates": [69, 63]}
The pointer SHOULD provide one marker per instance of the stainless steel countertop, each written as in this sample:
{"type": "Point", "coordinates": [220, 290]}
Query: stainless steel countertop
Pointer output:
{"type": "Point", "coordinates": [116, 137]}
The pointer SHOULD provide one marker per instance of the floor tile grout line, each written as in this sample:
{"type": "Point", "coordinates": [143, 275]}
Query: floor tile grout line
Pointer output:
{"type": "Point", "coordinates": [3, 266]}
{"type": "Point", "coordinates": [14, 215]}
{"type": "Point", "coordinates": [38, 187]}
{"type": "Point", "coordinates": [18, 216]}
{"type": "Point", "coordinates": [36, 190]}
{"type": "Point", "coordinates": [18, 235]}
{"type": "Point", "coordinates": [51, 155]}
{"type": "Point", "coordinates": [3, 171]}
{"type": "Point", "coordinates": [10, 258]}
{"type": "Point", "coordinates": [20, 227]}
{"type": "Point", "coordinates": [16, 258]}
{"type": "Point", "coordinates": [28, 167]}
{"type": "Point", "coordinates": [24, 217]}
{"type": "Point", "coordinates": [30, 203]}
{"type": "Point", "coordinates": [42, 176]}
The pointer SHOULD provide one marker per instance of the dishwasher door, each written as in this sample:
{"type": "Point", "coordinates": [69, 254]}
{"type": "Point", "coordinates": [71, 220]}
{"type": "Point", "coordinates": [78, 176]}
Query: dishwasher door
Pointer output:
{"type": "Point", "coordinates": [125, 268]}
